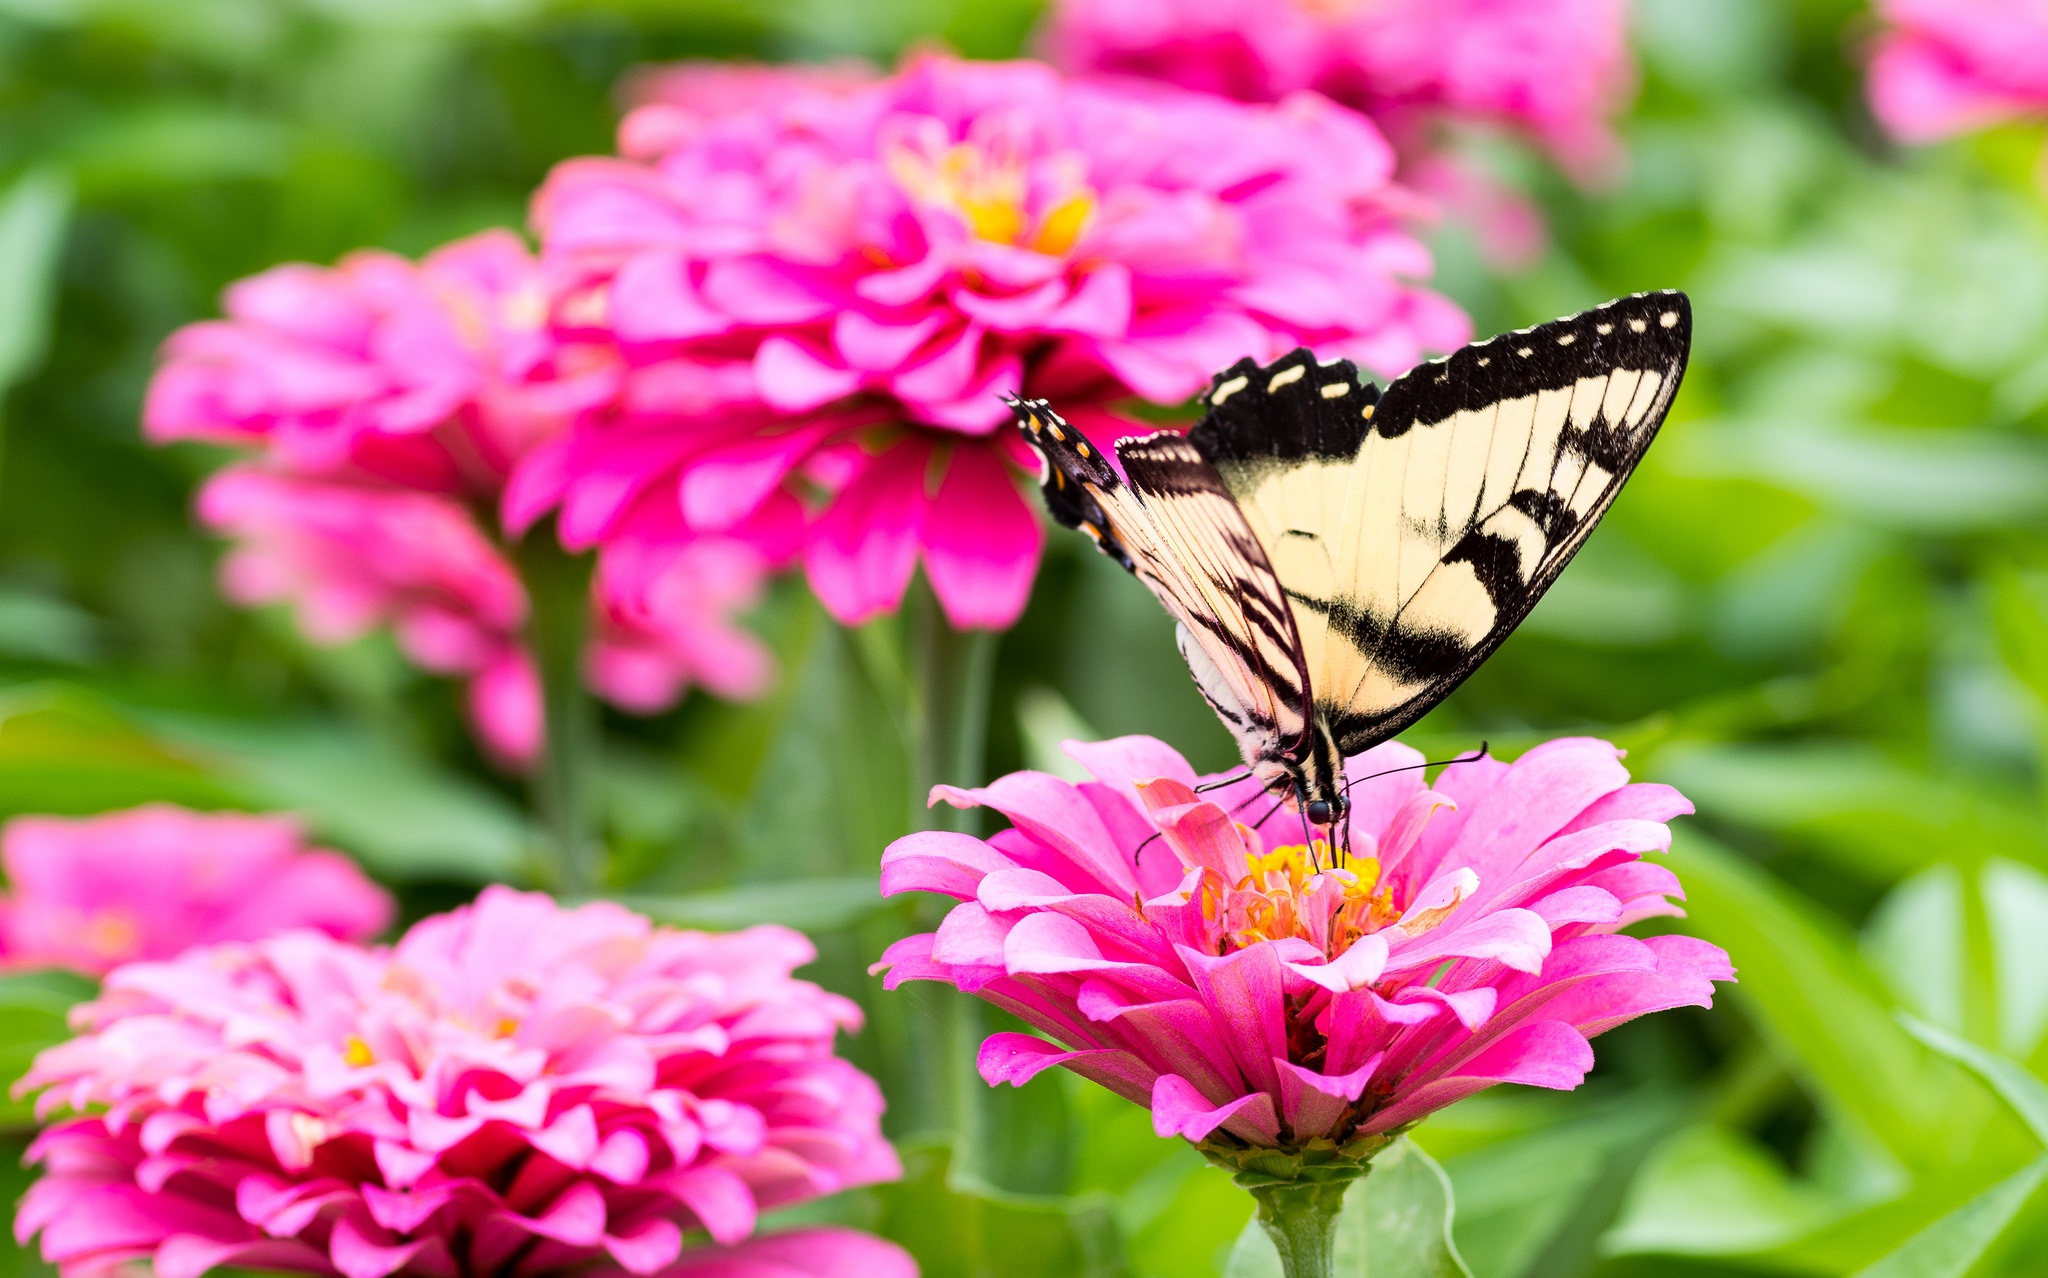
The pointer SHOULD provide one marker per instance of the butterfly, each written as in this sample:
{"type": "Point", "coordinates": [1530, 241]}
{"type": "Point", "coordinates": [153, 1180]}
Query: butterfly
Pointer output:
{"type": "Point", "coordinates": [1340, 558]}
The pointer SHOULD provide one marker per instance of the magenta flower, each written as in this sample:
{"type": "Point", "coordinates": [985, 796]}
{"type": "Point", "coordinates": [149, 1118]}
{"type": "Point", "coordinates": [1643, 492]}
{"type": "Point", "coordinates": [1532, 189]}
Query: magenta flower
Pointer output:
{"type": "Point", "coordinates": [354, 556]}
{"type": "Point", "coordinates": [1557, 69]}
{"type": "Point", "coordinates": [391, 399]}
{"type": "Point", "coordinates": [822, 286]}
{"type": "Point", "coordinates": [437, 376]}
{"type": "Point", "coordinates": [93, 893]}
{"type": "Point", "coordinates": [1944, 67]}
{"type": "Point", "coordinates": [513, 1088]}
{"type": "Point", "coordinates": [1255, 996]}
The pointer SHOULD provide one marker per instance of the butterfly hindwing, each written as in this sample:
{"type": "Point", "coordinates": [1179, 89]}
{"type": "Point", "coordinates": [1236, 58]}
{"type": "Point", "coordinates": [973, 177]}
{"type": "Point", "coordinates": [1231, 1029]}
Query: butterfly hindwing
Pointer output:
{"type": "Point", "coordinates": [1170, 519]}
{"type": "Point", "coordinates": [1413, 530]}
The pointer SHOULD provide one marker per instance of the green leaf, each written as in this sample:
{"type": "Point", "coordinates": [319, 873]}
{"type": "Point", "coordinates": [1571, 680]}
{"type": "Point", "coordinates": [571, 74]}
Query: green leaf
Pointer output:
{"type": "Point", "coordinates": [959, 1228]}
{"type": "Point", "coordinates": [1710, 1191]}
{"type": "Point", "coordinates": [809, 905]}
{"type": "Point", "coordinates": [33, 215]}
{"type": "Point", "coordinates": [1950, 1246]}
{"type": "Point", "coordinates": [1871, 816]}
{"type": "Point", "coordinates": [406, 818]}
{"type": "Point", "coordinates": [170, 143]}
{"type": "Point", "coordinates": [1545, 1197]}
{"type": "Point", "coordinates": [1396, 1224]}
{"type": "Point", "coordinates": [33, 1008]}
{"type": "Point", "coordinates": [1824, 1011]}
{"type": "Point", "coordinates": [2027, 1095]}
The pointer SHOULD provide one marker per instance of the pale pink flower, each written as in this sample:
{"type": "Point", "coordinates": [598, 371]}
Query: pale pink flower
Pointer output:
{"type": "Point", "coordinates": [390, 400]}
{"type": "Point", "coordinates": [513, 1088]}
{"type": "Point", "coordinates": [1557, 69]}
{"type": "Point", "coordinates": [355, 556]}
{"type": "Point", "coordinates": [823, 289]}
{"type": "Point", "coordinates": [1253, 995]}
{"type": "Point", "coordinates": [1943, 67]}
{"type": "Point", "coordinates": [92, 893]}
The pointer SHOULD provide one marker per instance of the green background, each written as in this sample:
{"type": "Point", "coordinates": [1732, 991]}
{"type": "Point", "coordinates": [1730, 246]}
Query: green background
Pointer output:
{"type": "Point", "coordinates": [1820, 608]}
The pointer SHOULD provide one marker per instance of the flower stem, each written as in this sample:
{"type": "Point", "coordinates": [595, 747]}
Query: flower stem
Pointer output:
{"type": "Point", "coordinates": [948, 720]}
{"type": "Point", "coordinates": [1300, 1216]}
{"type": "Point", "coordinates": [558, 585]}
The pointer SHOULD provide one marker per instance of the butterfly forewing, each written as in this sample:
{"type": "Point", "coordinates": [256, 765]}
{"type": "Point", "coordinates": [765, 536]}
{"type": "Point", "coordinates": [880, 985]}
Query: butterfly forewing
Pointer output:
{"type": "Point", "coordinates": [1414, 530]}
{"type": "Point", "coordinates": [1171, 521]}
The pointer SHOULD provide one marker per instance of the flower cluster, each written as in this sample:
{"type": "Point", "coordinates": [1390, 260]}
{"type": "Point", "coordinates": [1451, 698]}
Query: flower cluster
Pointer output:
{"type": "Point", "coordinates": [513, 1088]}
{"type": "Point", "coordinates": [1256, 992]}
{"type": "Point", "coordinates": [391, 400]}
{"type": "Point", "coordinates": [818, 284]}
{"type": "Point", "coordinates": [1943, 67]}
{"type": "Point", "coordinates": [1557, 69]}
{"type": "Point", "coordinates": [92, 893]}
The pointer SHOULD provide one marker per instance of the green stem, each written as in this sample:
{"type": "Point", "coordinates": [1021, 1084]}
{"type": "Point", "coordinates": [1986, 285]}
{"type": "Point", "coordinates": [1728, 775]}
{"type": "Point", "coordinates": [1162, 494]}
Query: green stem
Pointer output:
{"type": "Point", "coordinates": [558, 584]}
{"type": "Point", "coordinates": [948, 720]}
{"type": "Point", "coordinates": [1300, 1216]}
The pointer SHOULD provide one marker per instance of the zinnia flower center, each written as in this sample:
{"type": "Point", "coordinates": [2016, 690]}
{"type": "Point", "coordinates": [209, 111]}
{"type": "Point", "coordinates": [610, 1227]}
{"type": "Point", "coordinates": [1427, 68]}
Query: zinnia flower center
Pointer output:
{"type": "Point", "coordinates": [1285, 894]}
{"type": "Point", "coordinates": [990, 187]}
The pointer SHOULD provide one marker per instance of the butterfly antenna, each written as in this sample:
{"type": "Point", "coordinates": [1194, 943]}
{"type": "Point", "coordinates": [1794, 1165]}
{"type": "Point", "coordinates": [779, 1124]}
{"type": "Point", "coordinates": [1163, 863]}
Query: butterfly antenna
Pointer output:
{"type": "Point", "coordinates": [1474, 757]}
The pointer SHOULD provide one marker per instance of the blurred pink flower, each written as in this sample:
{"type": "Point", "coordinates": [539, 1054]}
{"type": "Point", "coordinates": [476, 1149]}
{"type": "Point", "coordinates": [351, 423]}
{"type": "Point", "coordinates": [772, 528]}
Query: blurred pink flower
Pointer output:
{"type": "Point", "coordinates": [436, 376]}
{"type": "Point", "coordinates": [822, 289]}
{"type": "Point", "coordinates": [1944, 67]}
{"type": "Point", "coordinates": [390, 400]}
{"type": "Point", "coordinates": [1192, 964]}
{"type": "Point", "coordinates": [514, 1088]}
{"type": "Point", "coordinates": [93, 893]}
{"type": "Point", "coordinates": [353, 556]}
{"type": "Point", "coordinates": [1558, 69]}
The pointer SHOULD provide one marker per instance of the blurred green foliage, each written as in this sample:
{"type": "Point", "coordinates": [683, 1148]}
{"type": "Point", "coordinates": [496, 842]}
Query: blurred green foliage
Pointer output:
{"type": "Point", "coordinates": [1821, 608]}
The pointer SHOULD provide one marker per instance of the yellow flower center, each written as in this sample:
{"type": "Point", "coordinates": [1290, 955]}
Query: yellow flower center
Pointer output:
{"type": "Point", "coordinates": [357, 1053]}
{"type": "Point", "coordinates": [990, 189]}
{"type": "Point", "coordinates": [111, 934]}
{"type": "Point", "coordinates": [1286, 894]}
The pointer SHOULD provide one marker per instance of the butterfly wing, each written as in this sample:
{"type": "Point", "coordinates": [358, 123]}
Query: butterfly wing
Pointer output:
{"type": "Point", "coordinates": [1170, 520]}
{"type": "Point", "coordinates": [1415, 529]}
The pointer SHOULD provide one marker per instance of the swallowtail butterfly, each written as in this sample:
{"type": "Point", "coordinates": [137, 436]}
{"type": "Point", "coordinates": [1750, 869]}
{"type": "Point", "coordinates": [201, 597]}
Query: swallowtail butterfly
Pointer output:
{"type": "Point", "coordinates": [1340, 558]}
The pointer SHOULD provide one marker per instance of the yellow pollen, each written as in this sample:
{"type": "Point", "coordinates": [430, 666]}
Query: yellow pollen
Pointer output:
{"type": "Point", "coordinates": [1063, 223]}
{"type": "Point", "coordinates": [112, 934]}
{"type": "Point", "coordinates": [506, 1027]}
{"type": "Point", "coordinates": [357, 1053]}
{"type": "Point", "coordinates": [989, 189]}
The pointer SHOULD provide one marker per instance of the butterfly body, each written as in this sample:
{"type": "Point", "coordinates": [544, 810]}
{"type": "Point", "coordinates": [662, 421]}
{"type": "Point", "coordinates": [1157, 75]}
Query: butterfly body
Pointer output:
{"type": "Point", "coordinates": [1339, 559]}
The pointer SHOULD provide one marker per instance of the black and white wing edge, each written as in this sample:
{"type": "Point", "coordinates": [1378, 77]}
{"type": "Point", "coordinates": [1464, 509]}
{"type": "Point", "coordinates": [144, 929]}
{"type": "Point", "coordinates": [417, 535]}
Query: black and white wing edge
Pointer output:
{"type": "Point", "coordinates": [1412, 530]}
{"type": "Point", "coordinates": [1170, 520]}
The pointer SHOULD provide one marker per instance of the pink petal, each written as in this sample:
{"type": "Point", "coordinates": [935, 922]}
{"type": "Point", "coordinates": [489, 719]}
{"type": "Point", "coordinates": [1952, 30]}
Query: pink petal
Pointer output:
{"type": "Point", "coordinates": [939, 861]}
{"type": "Point", "coordinates": [981, 542]}
{"type": "Point", "coordinates": [863, 550]}
{"type": "Point", "coordinates": [1179, 1110]}
{"type": "Point", "coordinates": [796, 378]}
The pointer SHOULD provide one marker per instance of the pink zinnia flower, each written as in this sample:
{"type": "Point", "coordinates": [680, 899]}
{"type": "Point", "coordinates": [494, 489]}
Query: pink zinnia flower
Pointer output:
{"type": "Point", "coordinates": [1255, 996]}
{"type": "Point", "coordinates": [354, 556]}
{"type": "Point", "coordinates": [1944, 67]}
{"type": "Point", "coordinates": [513, 1088]}
{"type": "Point", "coordinates": [822, 290]}
{"type": "Point", "coordinates": [390, 401]}
{"type": "Point", "coordinates": [435, 376]}
{"type": "Point", "coordinates": [93, 893]}
{"type": "Point", "coordinates": [1558, 69]}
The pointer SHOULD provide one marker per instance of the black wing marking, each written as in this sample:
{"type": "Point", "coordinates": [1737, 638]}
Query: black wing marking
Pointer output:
{"type": "Point", "coordinates": [1175, 525]}
{"type": "Point", "coordinates": [1414, 530]}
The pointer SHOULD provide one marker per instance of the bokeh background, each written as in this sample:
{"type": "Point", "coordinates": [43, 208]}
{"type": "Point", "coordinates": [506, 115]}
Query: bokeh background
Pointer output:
{"type": "Point", "coordinates": [1820, 609]}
